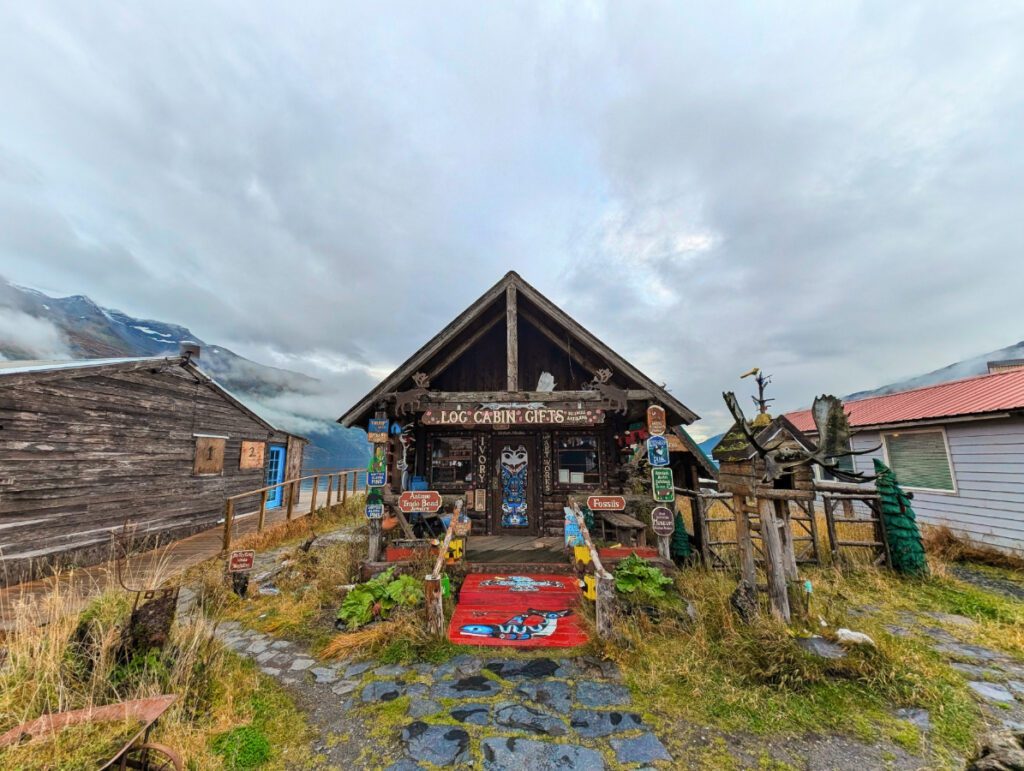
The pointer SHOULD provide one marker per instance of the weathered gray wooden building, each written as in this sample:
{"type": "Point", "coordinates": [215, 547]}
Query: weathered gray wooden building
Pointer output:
{"type": "Point", "coordinates": [87, 445]}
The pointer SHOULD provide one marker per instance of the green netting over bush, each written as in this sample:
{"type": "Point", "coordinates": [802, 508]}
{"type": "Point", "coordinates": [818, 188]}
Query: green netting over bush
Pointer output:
{"type": "Point", "coordinates": [905, 545]}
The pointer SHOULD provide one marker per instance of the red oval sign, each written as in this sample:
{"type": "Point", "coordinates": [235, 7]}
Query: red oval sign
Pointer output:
{"type": "Point", "coordinates": [606, 503]}
{"type": "Point", "coordinates": [241, 561]}
{"type": "Point", "coordinates": [419, 500]}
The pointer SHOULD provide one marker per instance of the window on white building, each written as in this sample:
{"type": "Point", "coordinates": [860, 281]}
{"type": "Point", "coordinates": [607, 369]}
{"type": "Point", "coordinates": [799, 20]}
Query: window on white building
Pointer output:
{"type": "Point", "coordinates": [920, 459]}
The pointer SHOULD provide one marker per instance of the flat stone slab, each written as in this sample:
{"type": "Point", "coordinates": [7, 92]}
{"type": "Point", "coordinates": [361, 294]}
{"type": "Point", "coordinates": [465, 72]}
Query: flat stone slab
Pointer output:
{"type": "Point", "coordinates": [991, 691]}
{"type": "Point", "coordinates": [391, 670]}
{"type": "Point", "coordinates": [358, 669]}
{"type": "Point", "coordinates": [976, 671]}
{"type": "Point", "coordinates": [405, 765]}
{"type": "Point", "coordinates": [919, 717]}
{"type": "Point", "coordinates": [968, 651]}
{"type": "Point", "coordinates": [258, 646]}
{"type": "Point", "coordinates": [819, 646]}
{"type": "Point", "coordinates": [550, 693]}
{"type": "Point", "coordinates": [475, 713]}
{"type": "Point", "coordinates": [423, 708]}
{"type": "Point", "coordinates": [462, 665]}
{"type": "Point", "coordinates": [324, 674]}
{"type": "Point", "coordinates": [645, 748]}
{"type": "Point", "coordinates": [533, 669]}
{"type": "Point", "coordinates": [382, 690]}
{"type": "Point", "coordinates": [952, 618]}
{"type": "Point", "coordinates": [594, 694]}
{"type": "Point", "coordinates": [344, 687]}
{"type": "Point", "coordinates": [592, 723]}
{"type": "Point", "coordinates": [442, 745]}
{"type": "Point", "coordinates": [523, 718]}
{"type": "Point", "coordinates": [468, 687]}
{"type": "Point", "coordinates": [506, 754]}
{"type": "Point", "coordinates": [300, 665]}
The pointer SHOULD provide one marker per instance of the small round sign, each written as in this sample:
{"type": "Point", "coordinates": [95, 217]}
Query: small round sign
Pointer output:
{"type": "Point", "coordinates": [663, 521]}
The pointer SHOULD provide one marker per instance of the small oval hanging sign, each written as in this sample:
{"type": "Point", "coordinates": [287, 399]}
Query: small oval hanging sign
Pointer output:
{"type": "Point", "coordinates": [656, 422]}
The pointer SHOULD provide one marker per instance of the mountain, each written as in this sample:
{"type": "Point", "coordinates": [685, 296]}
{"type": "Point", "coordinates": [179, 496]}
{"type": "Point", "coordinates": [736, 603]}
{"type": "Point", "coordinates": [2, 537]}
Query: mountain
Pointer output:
{"type": "Point", "coordinates": [34, 325]}
{"type": "Point", "coordinates": [977, 365]}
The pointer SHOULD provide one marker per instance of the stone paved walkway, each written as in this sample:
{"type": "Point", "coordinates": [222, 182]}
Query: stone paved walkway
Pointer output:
{"type": "Point", "coordinates": [470, 712]}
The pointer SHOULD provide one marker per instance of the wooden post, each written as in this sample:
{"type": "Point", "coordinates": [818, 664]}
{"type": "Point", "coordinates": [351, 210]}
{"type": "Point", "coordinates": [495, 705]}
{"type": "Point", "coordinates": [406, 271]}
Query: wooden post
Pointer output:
{"type": "Point", "coordinates": [316, 489]}
{"type": "Point", "coordinates": [830, 525]}
{"type": "Point", "coordinates": [263, 511]}
{"type": "Point", "coordinates": [664, 542]}
{"type": "Point", "coordinates": [786, 539]}
{"type": "Point", "coordinates": [292, 494]}
{"type": "Point", "coordinates": [375, 544]}
{"type": "Point", "coordinates": [511, 339]}
{"type": "Point", "coordinates": [778, 591]}
{"type": "Point", "coordinates": [343, 484]}
{"type": "Point", "coordinates": [605, 609]}
{"type": "Point", "coordinates": [435, 605]}
{"type": "Point", "coordinates": [744, 546]}
{"type": "Point", "coordinates": [330, 489]}
{"type": "Point", "coordinates": [229, 515]}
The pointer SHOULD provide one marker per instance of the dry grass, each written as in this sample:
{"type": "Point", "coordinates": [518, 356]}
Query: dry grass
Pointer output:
{"type": "Point", "coordinates": [78, 661]}
{"type": "Point", "coordinates": [943, 543]}
{"type": "Point", "coordinates": [325, 518]}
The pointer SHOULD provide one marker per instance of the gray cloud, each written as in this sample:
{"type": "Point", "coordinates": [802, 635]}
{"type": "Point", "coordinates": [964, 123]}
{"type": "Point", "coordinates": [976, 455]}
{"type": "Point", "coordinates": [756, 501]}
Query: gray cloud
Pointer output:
{"type": "Point", "coordinates": [830, 192]}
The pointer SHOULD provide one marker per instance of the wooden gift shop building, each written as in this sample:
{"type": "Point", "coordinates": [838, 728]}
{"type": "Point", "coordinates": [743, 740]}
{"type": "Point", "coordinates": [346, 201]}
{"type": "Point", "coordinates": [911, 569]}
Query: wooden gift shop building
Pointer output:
{"type": "Point", "coordinates": [513, 408]}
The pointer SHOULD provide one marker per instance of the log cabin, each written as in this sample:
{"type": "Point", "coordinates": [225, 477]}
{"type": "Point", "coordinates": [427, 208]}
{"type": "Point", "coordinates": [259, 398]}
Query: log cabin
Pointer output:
{"type": "Point", "coordinates": [513, 408]}
{"type": "Point", "coordinates": [87, 445]}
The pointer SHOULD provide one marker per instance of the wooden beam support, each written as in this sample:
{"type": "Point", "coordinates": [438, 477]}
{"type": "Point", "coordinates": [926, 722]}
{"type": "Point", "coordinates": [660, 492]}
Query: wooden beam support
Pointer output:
{"type": "Point", "coordinates": [435, 398]}
{"type": "Point", "coordinates": [511, 339]}
{"type": "Point", "coordinates": [460, 349]}
{"type": "Point", "coordinates": [563, 345]}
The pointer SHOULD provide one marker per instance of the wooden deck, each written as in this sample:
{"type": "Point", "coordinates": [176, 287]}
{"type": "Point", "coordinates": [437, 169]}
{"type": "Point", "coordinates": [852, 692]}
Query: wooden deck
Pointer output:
{"type": "Point", "coordinates": [511, 549]}
{"type": "Point", "coordinates": [147, 568]}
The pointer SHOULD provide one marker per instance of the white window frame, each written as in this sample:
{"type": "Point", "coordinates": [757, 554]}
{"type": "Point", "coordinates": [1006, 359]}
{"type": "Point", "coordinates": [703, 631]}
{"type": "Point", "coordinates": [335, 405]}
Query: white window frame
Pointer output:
{"type": "Point", "coordinates": [819, 472]}
{"type": "Point", "coordinates": [949, 458]}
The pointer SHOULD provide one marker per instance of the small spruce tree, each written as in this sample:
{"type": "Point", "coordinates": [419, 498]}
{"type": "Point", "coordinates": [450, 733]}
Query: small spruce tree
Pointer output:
{"type": "Point", "coordinates": [904, 537]}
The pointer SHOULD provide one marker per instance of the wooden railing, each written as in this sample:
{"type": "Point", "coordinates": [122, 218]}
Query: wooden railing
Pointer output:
{"type": "Point", "coordinates": [432, 583]}
{"type": "Point", "coordinates": [339, 484]}
{"type": "Point", "coordinates": [604, 581]}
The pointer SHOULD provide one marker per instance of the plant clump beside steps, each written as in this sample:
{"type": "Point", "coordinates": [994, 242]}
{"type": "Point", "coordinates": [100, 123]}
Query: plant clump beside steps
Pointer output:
{"type": "Point", "coordinates": [375, 599]}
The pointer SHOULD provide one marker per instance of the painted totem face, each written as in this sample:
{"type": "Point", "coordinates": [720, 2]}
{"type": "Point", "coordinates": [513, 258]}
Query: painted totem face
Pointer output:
{"type": "Point", "coordinates": [513, 459]}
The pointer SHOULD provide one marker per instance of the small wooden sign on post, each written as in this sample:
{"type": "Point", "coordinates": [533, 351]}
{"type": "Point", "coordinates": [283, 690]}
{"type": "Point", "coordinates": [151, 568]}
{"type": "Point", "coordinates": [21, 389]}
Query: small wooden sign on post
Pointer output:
{"type": "Point", "coordinates": [656, 421]}
{"type": "Point", "coordinates": [377, 430]}
{"type": "Point", "coordinates": [375, 511]}
{"type": "Point", "coordinates": [252, 454]}
{"type": "Point", "coordinates": [663, 523]}
{"type": "Point", "coordinates": [376, 478]}
{"type": "Point", "coordinates": [657, 451]}
{"type": "Point", "coordinates": [606, 503]}
{"type": "Point", "coordinates": [241, 561]}
{"type": "Point", "coordinates": [419, 500]}
{"type": "Point", "coordinates": [663, 484]}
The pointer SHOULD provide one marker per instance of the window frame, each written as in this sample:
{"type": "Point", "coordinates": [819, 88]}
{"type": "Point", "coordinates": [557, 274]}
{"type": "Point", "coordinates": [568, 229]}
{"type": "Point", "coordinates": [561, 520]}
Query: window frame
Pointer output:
{"type": "Point", "coordinates": [452, 487]}
{"type": "Point", "coordinates": [223, 440]}
{"type": "Point", "coordinates": [819, 472]}
{"type": "Point", "coordinates": [949, 458]}
{"type": "Point", "coordinates": [602, 461]}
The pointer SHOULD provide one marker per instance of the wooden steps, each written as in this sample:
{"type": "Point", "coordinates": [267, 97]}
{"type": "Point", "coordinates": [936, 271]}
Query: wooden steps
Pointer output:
{"type": "Point", "coordinates": [522, 610]}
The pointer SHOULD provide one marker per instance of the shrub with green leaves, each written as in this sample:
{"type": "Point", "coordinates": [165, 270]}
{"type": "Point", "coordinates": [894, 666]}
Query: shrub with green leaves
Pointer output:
{"type": "Point", "coordinates": [242, 747]}
{"type": "Point", "coordinates": [640, 580]}
{"type": "Point", "coordinates": [378, 597]}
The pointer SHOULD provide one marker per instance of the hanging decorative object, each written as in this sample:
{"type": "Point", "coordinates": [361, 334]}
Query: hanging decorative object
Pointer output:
{"type": "Point", "coordinates": [409, 402]}
{"type": "Point", "coordinates": [377, 469]}
{"type": "Point", "coordinates": [656, 421]}
{"type": "Point", "coordinates": [514, 464]}
{"type": "Point", "coordinates": [613, 398]}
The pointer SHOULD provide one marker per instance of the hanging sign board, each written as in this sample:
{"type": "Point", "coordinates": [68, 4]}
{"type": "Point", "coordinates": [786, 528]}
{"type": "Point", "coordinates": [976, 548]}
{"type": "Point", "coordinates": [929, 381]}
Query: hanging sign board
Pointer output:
{"type": "Point", "coordinates": [606, 503]}
{"type": "Point", "coordinates": [662, 484]}
{"type": "Point", "coordinates": [375, 511]}
{"type": "Point", "coordinates": [241, 561]}
{"type": "Point", "coordinates": [376, 478]}
{"type": "Point", "coordinates": [675, 444]}
{"type": "Point", "coordinates": [377, 430]}
{"type": "Point", "coordinates": [663, 521]}
{"type": "Point", "coordinates": [252, 454]}
{"type": "Point", "coordinates": [656, 422]}
{"type": "Point", "coordinates": [419, 500]}
{"type": "Point", "coordinates": [512, 416]}
{"type": "Point", "coordinates": [657, 450]}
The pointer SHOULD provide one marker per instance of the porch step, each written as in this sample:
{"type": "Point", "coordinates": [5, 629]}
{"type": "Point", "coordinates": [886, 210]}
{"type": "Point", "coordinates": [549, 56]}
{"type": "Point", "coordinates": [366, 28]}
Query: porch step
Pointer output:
{"type": "Point", "coordinates": [522, 610]}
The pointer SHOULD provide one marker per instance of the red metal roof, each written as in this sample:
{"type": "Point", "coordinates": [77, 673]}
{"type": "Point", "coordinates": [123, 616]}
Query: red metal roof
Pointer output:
{"type": "Point", "coordinates": [997, 392]}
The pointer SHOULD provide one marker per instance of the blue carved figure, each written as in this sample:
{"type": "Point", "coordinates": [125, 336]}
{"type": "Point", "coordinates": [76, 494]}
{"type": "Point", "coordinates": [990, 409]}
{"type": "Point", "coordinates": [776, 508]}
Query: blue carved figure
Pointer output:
{"type": "Point", "coordinates": [516, 627]}
{"type": "Point", "coordinates": [513, 487]}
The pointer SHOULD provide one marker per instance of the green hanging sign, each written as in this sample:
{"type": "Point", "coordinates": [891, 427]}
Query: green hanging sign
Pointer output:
{"type": "Point", "coordinates": [663, 484]}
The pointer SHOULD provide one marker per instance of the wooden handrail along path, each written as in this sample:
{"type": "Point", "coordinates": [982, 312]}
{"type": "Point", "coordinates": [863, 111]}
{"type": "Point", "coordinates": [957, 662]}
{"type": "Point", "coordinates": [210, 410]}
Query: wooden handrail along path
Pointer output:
{"type": "Point", "coordinates": [338, 486]}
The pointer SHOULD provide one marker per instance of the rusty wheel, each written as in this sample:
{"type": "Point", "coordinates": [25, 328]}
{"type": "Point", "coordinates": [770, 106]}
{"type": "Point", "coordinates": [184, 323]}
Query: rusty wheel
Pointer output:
{"type": "Point", "coordinates": [152, 757]}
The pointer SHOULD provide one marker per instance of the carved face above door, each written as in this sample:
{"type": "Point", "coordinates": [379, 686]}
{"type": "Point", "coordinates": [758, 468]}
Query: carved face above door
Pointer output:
{"type": "Point", "coordinates": [514, 501]}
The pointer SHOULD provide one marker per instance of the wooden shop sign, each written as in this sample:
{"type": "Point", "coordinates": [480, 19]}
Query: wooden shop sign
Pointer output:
{"type": "Point", "coordinates": [657, 451]}
{"type": "Point", "coordinates": [375, 511]}
{"type": "Point", "coordinates": [606, 503]}
{"type": "Point", "coordinates": [377, 430]}
{"type": "Point", "coordinates": [455, 415]}
{"type": "Point", "coordinates": [663, 484]}
{"type": "Point", "coordinates": [419, 500]}
{"type": "Point", "coordinates": [252, 454]}
{"type": "Point", "coordinates": [241, 561]}
{"type": "Point", "coordinates": [656, 422]}
{"type": "Point", "coordinates": [663, 521]}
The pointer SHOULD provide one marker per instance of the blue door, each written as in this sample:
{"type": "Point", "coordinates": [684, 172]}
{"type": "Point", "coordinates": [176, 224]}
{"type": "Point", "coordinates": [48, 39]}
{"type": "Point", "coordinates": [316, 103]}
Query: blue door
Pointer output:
{"type": "Point", "coordinates": [275, 475]}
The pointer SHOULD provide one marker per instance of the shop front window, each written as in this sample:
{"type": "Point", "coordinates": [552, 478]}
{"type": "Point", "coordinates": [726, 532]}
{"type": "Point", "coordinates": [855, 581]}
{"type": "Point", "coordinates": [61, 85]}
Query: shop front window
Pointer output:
{"type": "Point", "coordinates": [578, 460]}
{"type": "Point", "coordinates": [451, 462]}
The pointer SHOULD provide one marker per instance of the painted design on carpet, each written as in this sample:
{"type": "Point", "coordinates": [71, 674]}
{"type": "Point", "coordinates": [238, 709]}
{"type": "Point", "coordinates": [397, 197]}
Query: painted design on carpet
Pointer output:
{"type": "Point", "coordinates": [513, 487]}
{"type": "Point", "coordinates": [520, 583]}
{"type": "Point", "coordinates": [516, 627]}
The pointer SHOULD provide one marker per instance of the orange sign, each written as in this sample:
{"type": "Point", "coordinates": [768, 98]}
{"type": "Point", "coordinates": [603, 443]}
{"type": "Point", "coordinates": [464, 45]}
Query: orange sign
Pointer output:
{"type": "Point", "coordinates": [656, 422]}
{"type": "Point", "coordinates": [606, 503]}
{"type": "Point", "coordinates": [419, 500]}
{"type": "Point", "coordinates": [241, 561]}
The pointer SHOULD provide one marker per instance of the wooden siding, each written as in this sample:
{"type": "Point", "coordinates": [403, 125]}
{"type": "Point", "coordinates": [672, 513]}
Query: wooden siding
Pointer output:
{"type": "Point", "coordinates": [988, 465]}
{"type": "Point", "coordinates": [81, 455]}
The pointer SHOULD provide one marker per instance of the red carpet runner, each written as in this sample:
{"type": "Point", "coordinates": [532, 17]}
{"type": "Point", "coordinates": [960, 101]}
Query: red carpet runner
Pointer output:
{"type": "Point", "coordinates": [539, 610]}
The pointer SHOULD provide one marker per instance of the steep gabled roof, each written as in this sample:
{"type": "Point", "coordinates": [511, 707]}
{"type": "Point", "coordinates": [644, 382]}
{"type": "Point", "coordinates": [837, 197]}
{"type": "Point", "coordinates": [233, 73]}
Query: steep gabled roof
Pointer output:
{"type": "Point", "coordinates": [473, 314]}
{"type": "Point", "coordinates": [980, 395]}
{"type": "Point", "coordinates": [12, 372]}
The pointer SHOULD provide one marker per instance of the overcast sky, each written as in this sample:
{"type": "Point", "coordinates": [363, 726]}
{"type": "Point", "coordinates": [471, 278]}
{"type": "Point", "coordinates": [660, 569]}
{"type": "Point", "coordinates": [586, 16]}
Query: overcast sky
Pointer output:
{"type": "Point", "coordinates": [832, 191]}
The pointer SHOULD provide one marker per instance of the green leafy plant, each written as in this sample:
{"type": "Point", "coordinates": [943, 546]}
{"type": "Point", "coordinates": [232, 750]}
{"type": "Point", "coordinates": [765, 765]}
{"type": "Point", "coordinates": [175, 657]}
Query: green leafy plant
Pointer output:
{"type": "Point", "coordinates": [637, 577]}
{"type": "Point", "coordinates": [242, 747]}
{"type": "Point", "coordinates": [378, 597]}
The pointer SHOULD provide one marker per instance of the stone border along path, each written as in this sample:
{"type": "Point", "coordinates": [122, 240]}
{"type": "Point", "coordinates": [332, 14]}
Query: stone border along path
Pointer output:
{"type": "Point", "coordinates": [472, 712]}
